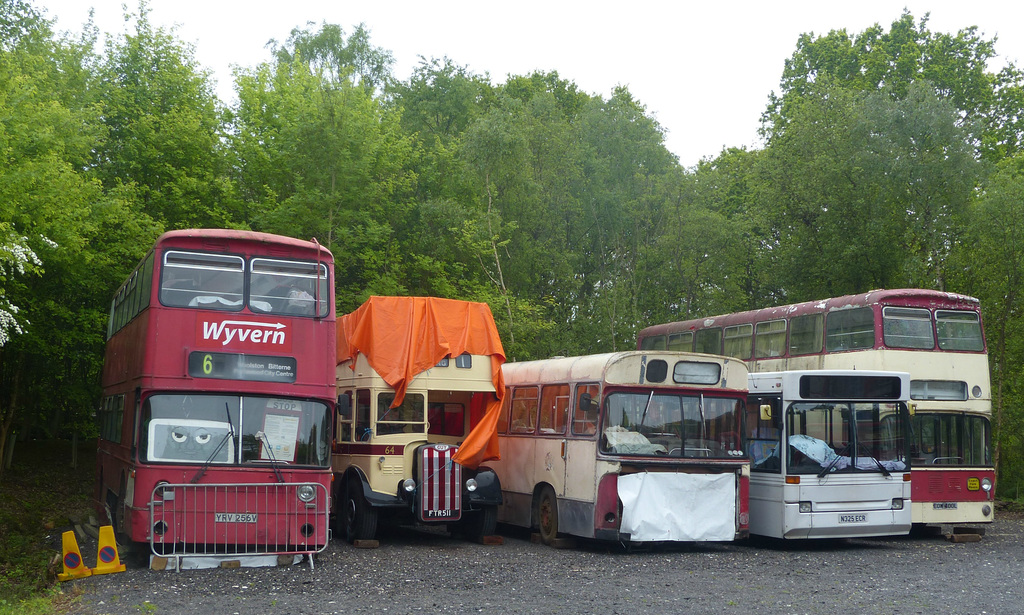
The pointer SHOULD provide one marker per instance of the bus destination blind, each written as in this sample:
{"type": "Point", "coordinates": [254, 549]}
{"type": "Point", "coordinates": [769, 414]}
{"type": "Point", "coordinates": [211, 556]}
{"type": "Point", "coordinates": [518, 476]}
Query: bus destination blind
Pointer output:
{"type": "Point", "coordinates": [236, 366]}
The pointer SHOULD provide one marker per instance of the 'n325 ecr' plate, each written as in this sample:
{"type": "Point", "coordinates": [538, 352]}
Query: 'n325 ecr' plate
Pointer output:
{"type": "Point", "coordinates": [853, 518]}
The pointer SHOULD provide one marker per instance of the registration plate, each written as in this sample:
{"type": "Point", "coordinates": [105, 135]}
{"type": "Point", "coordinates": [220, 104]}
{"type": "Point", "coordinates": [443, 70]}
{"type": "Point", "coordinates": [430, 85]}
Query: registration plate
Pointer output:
{"type": "Point", "coordinates": [235, 517]}
{"type": "Point", "coordinates": [853, 518]}
{"type": "Point", "coordinates": [440, 514]}
{"type": "Point", "coordinates": [944, 506]}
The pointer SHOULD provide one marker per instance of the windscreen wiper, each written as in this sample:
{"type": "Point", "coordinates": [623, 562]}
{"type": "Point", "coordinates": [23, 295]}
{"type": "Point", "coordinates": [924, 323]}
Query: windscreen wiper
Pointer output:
{"type": "Point", "coordinates": [879, 464]}
{"type": "Point", "coordinates": [835, 460]}
{"type": "Point", "coordinates": [229, 435]}
{"type": "Point", "coordinates": [274, 463]}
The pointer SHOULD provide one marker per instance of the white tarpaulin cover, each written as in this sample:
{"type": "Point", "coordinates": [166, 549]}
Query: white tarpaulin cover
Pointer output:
{"type": "Point", "coordinates": [660, 506]}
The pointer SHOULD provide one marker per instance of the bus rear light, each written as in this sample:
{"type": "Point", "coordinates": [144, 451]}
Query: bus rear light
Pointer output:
{"type": "Point", "coordinates": [897, 503]}
{"type": "Point", "coordinates": [792, 480]}
{"type": "Point", "coordinates": [805, 507]}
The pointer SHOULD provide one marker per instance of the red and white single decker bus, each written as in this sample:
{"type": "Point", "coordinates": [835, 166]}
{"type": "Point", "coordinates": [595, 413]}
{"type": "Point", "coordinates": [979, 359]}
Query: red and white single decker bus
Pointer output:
{"type": "Point", "coordinates": [935, 336]}
{"type": "Point", "coordinates": [218, 396]}
{"type": "Point", "coordinates": [626, 447]}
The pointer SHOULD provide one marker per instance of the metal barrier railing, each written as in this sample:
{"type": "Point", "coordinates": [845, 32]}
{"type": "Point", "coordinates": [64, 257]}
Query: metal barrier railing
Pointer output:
{"type": "Point", "coordinates": [223, 520]}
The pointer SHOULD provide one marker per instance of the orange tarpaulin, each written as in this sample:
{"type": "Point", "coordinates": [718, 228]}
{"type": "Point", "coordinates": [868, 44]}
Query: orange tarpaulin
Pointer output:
{"type": "Point", "coordinates": [403, 336]}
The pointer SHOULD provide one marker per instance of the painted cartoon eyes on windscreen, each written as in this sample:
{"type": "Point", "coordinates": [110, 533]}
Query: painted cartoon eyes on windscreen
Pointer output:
{"type": "Point", "coordinates": [180, 435]}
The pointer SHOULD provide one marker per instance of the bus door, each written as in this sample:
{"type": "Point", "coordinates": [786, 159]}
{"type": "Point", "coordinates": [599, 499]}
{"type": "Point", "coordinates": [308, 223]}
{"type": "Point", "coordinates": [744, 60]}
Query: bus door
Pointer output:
{"type": "Point", "coordinates": [552, 444]}
{"type": "Point", "coordinates": [763, 427]}
{"type": "Point", "coordinates": [581, 444]}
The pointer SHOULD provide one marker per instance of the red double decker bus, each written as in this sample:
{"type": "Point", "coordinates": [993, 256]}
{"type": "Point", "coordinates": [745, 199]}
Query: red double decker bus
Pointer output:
{"type": "Point", "coordinates": [218, 397]}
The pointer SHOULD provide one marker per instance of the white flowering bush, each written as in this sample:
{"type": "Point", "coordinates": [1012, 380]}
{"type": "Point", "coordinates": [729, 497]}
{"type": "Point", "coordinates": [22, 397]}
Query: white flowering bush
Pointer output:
{"type": "Point", "coordinates": [16, 259]}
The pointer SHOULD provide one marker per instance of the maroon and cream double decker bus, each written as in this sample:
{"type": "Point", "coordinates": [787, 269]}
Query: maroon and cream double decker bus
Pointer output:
{"type": "Point", "coordinates": [935, 336]}
{"type": "Point", "coordinates": [218, 396]}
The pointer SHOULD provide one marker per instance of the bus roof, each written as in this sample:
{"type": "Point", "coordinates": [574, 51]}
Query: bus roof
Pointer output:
{"type": "Point", "coordinates": [619, 368]}
{"type": "Point", "coordinates": [200, 235]}
{"type": "Point", "coordinates": [914, 297]}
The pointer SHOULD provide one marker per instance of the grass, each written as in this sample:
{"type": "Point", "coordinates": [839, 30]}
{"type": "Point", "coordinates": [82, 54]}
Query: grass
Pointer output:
{"type": "Point", "coordinates": [42, 496]}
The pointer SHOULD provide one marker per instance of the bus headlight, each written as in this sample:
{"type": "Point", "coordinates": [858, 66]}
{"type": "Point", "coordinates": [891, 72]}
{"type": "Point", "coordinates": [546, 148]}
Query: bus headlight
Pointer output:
{"type": "Point", "coordinates": [897, 503]}
{"type": "Point", "coordinates": [471, 484]}
{"type": "Point", "coordinates": [986, 484]}
{"type": "Point", "coordinates": [306, 493]}
{"type": "Point", "coordinates": [409, 485]}
{"type": "Point", "coordinates": [805, 507]}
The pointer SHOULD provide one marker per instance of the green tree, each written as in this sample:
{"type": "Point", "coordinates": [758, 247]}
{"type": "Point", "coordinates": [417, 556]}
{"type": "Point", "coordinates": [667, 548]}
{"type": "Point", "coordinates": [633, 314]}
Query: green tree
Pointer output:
{"type": "Point", "coordinates": [865, 191]}
{"type": "Point", "coordinates": [954, 66]}
{"type": "Point", "coordinates": [163, 138]}
{"type": "Point", "coordinates": [317, 155]}
{"type": "Point", "coordinates": [52, 205]}
{"type": "Point", "coordinates": [990, 265]}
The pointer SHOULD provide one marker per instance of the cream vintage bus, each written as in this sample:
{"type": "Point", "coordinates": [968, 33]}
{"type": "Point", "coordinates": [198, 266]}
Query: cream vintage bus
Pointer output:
{"type": "Point", "coordinates": [628, 446]}
{"type": "Point", "coordinates": [416, 392]}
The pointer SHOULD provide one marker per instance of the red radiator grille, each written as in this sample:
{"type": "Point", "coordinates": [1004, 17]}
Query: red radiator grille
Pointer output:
{"type": "Point", "coordinates": [440, 484]}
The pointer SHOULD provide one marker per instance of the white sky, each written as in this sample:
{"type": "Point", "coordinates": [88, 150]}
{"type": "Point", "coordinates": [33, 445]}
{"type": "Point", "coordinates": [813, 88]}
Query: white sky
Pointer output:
{"type": "Point", "coordinates": [702, 69]}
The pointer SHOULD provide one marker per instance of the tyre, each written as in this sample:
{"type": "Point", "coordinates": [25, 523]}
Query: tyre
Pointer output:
{"type": "Point", "coordinates": [480, 523]}
{"type": "Point", "coordinates": [547, 515]}
{"type": "Point", "coordinates": [360, 519]}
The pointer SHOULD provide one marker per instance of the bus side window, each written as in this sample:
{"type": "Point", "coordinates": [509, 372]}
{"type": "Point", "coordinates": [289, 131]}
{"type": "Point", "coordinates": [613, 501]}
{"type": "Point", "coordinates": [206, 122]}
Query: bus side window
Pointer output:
{"type": "Point", "coordinates": [506, 403]}
{"type": "Point", "coordinates": [554, 407]}
{"type": "Point", "coordinates": [362, 425]}
{"type": "Point", "coordinates": [585, 410]}
{"type": "Point", "coordinates": [343, 430]}
{"type": "Point", "coordinates": [524, 409]}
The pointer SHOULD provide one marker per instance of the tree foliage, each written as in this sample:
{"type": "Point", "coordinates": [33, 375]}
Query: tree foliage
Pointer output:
{"type": "Point", "coordinates": [892, 159]}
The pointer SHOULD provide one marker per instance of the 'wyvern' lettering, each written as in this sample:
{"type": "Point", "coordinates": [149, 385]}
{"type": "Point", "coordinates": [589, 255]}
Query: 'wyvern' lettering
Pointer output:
{"type": "Point", "coordinates": [242, 330]}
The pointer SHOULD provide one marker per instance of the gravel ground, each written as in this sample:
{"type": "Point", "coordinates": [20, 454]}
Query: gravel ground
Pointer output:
{"type": "Point", "coordinates": [420, 572]}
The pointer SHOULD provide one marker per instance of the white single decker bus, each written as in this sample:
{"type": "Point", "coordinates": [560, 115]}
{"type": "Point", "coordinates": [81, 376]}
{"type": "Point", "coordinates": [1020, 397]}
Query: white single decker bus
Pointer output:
{"type": "Point", "coordinates": [829, 453]}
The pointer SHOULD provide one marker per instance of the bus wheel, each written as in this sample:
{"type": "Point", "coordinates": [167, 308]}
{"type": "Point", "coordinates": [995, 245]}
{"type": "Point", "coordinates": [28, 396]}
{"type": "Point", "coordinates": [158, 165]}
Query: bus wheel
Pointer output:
{"type": "Point", "coordinates": [480, 524]}
{"type": "Point", "coordinates": [547, 516]}
{"type": "Point", "coordinates": [360, 518]}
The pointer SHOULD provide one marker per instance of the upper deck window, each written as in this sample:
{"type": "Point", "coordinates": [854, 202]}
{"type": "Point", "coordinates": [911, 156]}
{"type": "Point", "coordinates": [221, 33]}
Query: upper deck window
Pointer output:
{"type": "Point", "coordinates": [959, 330]}
{"type": "Point", "coordinates": [654, 342]}
{"type": "Point", "coordinates": [708, 341]}
{"type": "Point", "coordinates": [194, 279]}
{"type": "Point", "coordinates": [805, 334]}
{"type": "Point", "coordinates": [850, 329]}
{"type": "Point", "coordinates": [907, 327]}
{"type": "Point", "coordinates": [287, 287]}
{"type": "Point", "coordinates": [770, 339]}
{"type": "Point", "coordinates": [738, 341]}
{"type": "Point", "coordinates": [681, 341]}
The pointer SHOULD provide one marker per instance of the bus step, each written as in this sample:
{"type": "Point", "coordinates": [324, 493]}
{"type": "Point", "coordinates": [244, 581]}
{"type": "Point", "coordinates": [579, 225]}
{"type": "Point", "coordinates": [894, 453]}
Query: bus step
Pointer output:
{"type": "Point", "coordinates": [965, 534]}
